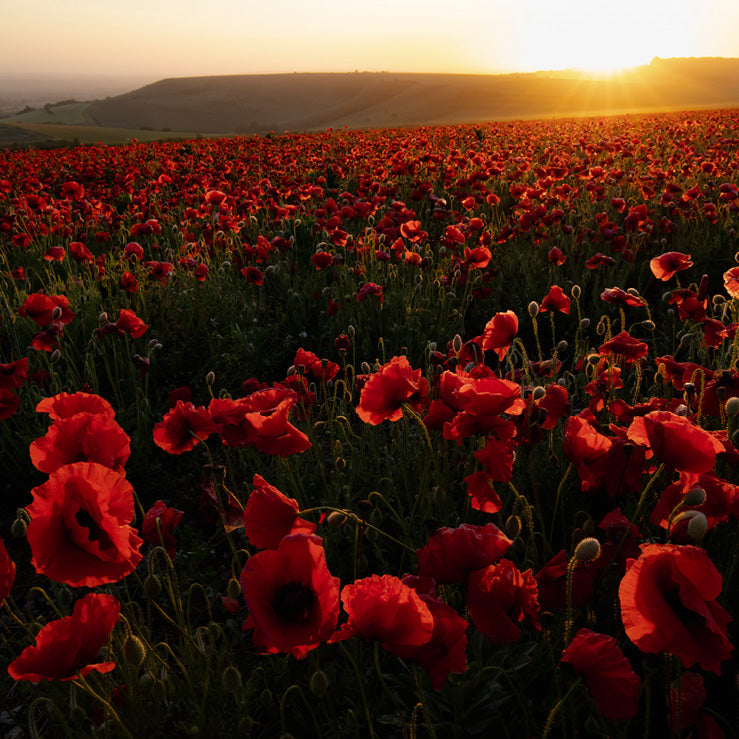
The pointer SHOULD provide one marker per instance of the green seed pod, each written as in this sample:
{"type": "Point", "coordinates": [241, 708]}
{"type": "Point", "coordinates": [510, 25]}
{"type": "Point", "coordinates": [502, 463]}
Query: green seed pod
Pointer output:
{"type": "Point", "coordinates": [134, 651]}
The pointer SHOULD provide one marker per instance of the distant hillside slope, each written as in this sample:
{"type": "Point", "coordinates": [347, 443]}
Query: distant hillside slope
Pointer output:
{"type": "Point", "coordinates": [299, 102]}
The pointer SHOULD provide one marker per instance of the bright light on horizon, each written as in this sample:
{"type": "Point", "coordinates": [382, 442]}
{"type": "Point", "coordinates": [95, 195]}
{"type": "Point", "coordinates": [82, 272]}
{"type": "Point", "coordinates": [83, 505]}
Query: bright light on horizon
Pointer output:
{"type": "Point", "coordinates": [175, 38]}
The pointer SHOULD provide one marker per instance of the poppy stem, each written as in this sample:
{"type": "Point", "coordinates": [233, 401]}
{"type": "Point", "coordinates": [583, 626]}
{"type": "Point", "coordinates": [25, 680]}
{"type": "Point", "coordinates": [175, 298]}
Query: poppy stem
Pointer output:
{"type": "Point", "coordinates": [558, 705]}
{"type": "Point", "coordinates": [360, 684]}
{"type": "Point", "coordinates": [105, 703]}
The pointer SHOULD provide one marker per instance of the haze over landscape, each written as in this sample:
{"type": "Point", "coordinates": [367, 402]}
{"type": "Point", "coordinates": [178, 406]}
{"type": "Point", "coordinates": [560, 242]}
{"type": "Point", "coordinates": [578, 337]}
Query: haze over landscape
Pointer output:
{"type": "Point", "coordinates": [291, 66]}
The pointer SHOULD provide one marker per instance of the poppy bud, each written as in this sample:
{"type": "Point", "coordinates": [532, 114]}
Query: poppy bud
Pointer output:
{"type": "Point", "coordinates": [56, 314]}
{"type": "Point", "coordinates": [666, 296]}
{"type": "Point", "coordinates": [20, 525]}
{"type": "Point", "coordinates": [365, 368]}
{"type": "Point", "coordinates": [585, 324]}
{"type": "Point", "coordinates": [648, 325]}
{"type": "Point", "coordinates": [103, 318]}
{"type": "Point", "coordinates": [533, 309]}
{"type": "Point", "coordinates": [513, 527]}
{"type": "Point", "coordinates": [695, 497]}
{"type": "Point", "coordinates": [732, 407]}
{"type": "Point", "coordinates": [336, 519]}
{"type": "Point", "coordinates": [319, 683]}
{"type": "Point", "coordinates": [146, 681]}
{"type": "Point", "coordinates": [587, 550]}
{"type": "Point", "coordinates": [340, 463]}
{"type": "Point", "coordinates": [233, 588]}
{"type": "Point", "coordinates": [152, 587]}
{"type": "Point", "coordinates": [159, 691]}
{"type": "Point", "coordinates": [231, 679]}
{"type": "Point", "coordinates": [689, 388]}
{"type": "Point", "coordinates": [134, 651]}
{"type": "Point", "coordinates": [457, 343]}
{"type": "Point", "coordinates": [539, 392]}
{"type": "Point", "coordinates": [562, 347]}
{"type": "Point", "coordinates": [365, 505]}
{"type": "Point", "coordinates": [718, 299]}
{"type": "Point", "coordinates": [575, 291]}
{"type": "Point", "coordinates": [697, 524]}
{"type": "Point", "coordinates": [210, 378]}
{"type": "Point", "coordinates": [56, 355]}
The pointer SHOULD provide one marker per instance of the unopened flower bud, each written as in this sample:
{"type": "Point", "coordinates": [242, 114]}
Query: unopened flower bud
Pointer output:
{"type": "Point", "coordinates": [56, 355]}
{"type": "Point", "coordinates": [695, 497]}
{"type": "Point", "coordinates": [319, 683]}
{"type": "Point", "coordinates": [575, 291]}
{"type": "Point", "coordinates": [697, 525]}
{"type": "Point", "coordinates": [56, 314]}
{"type": "Point", "coordinates": [134, 651]}
{"type": "Point", "coordinates": [20, 525]}
{"type": "Point", "coordinates": [562, 347]}
{"type": "Point", "coordinates": [587, 550]}
{"type": "Point", "coordinates": [513, 526]}
{"type": "Point", "coordinates": [539, 392]}
{"type": "Point", "coordinates": [365, 368]}
{"type": "Point", "coordinates": [152, 586]}
{"type": "Point", "coordinates": [533, 309]}
{"type": "Point", "coordinates": [210, 378]}
{"type": "Point", "coordinates": [233, 588]}
{"type": "Point", "coordinates": [231, 679]}
{"type": "Point", "coordinates": [336, 519]}
{"type": "Point", "coordinates": [648, 325]}
{"type": "Point", "coordinates": [732, 407]}
{"type": "Point", "coordinates": [457, 343]}
{"type": "Point", "coordinates": [585, 324]}
{"type": "Point", "coordinates": [146, 681]}
{"type": "Point", "coordinates": [350, 331]}
{"type": "Point", "coordinates": [103, 318]}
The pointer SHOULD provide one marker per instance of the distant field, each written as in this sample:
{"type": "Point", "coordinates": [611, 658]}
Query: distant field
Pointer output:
{"type": "Point", "coordinates": [72, 113]}
{"type": "Point", "coordinates": [37, 133]}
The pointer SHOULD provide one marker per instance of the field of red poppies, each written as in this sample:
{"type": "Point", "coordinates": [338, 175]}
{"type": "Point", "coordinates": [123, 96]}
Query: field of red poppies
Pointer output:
{"type": "Point", "coordinates": [423, 432]}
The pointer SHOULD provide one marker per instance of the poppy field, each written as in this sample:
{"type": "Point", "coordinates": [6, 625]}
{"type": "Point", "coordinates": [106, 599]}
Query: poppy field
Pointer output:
{"type": "Point", "coordinates": [386, 433]}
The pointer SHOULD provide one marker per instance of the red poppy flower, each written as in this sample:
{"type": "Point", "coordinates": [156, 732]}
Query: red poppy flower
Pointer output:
{"type": "Point", "coordinates": [80, 253]}
{"type": "Point", "coordinates": [9, 403]}
{"type": "Point", "coordinates": [270, 515]}
{"type": "Point", "coordinates": [161, 534]}
{"type": "Point", "coordinates": [676, 441]}
{"type": "Point", "coordinates": [388, 389]}
{"type": "Point", "coordinates": [501, 598]}
{"type": "Point", "coordinates": [48, 339]}
{"type": "Point", "coordinates": [79, 531]}
{"type": "Point", "coordinates": [556, 256]}
{"type": "Point", "coordinates": [133, 251]}
{"type": "Point", "coordinates": [254, 275]}
{"type": "Point", "coordinates": [497, 459]}
{"type": "Point", "coordinates": [668, 604]}
{"type": "Point", "coordinates": [160, 271]}
{"type": "Point", "coordinates": [64, 405]}
{"type": "Point", "coordinates": [686, 698]}
{"type": "Point", "coordinates": [499, 333]}
{"type": "Point", "coordinates": [14, 374]}
{"type": "Point", "coordinates": [666, 265]}
{"type": "Point", "coordinates": [556, 299]}
{"type": "Point", "coordinates": [599, 260]}
{"type": "Point", "coordinates": [292, 598]}
{"type": "Point", "coordinates": [477, 258]}
{"type": "Point", "coordinates": [451, 554]}
{"type": "Point", "coordinates": [610, 678]}
{"type": "Point", "coordinates": [623, 345]}
{"type": "Point", "coordinates": [183, 427]}
{"type": "Point", "coordinates": [129, 282]}
{"type": "Point", "coordinates": [481, 491]}
{"type": "Point", "coordinates": [7, 572]}
{"type": "Point", "coordinates": [552, 583]}
{"type": "Point", "coordinates": [70, 645]}
{"type": "Point", "coordinates": [320, 369]}
{"type": "Point", "coordinates": [445, 651]}
{"type": "Point", "coordinates": [84, 437]}
{"type": "Point", "coordinates": [731, 282]}
{"type": "Point", "coordinates": [40, 308]}
{"type": "Point", "coordinates": [370, 288]}
{"type": "Point", "coordinates": [386, 609]}
{"type": "Point", "coordinates": [412, 231]}
{"type": "Point", "coordinates": [128, 322]}
{"type": "Point", "coordinates": [617, 296]}
{"type": "Point", "coordinates": [55, 254]}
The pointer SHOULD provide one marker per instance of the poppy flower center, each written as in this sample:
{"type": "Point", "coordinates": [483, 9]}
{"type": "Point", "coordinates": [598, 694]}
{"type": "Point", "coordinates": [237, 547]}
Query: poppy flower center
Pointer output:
{"type": "Point", "coordinates": [293, 602]}
{"type": "Point", "coordinates": [685, 615]}
{"type": "Point", "coordinates": [86, 521]}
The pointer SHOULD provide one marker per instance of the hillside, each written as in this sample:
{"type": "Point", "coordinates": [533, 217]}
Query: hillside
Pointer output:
{"type": "Point", "coordinates": [246, 104]}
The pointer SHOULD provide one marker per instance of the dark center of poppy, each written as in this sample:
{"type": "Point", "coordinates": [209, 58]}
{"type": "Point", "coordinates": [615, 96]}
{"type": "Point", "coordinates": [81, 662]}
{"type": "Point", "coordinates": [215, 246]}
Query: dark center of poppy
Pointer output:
{"type": "Point", "coordinates": [686, 616]}
{"type": "Point", "coordinates": [293, 602]}
{"type": "Point", "coordinates": [86, 521]}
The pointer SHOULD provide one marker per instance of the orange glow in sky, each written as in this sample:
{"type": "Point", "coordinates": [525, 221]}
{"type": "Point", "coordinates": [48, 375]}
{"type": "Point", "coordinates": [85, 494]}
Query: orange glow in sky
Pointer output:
{"type": "Point", "coordinates": [172, 38]}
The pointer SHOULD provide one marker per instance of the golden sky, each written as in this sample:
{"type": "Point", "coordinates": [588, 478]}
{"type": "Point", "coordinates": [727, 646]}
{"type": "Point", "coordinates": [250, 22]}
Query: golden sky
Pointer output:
{"type": "Point", "coordinates": [173, 38]}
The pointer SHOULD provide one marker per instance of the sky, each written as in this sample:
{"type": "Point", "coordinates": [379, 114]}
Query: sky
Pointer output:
{"type": "Point", "coordinates": [178, 38]}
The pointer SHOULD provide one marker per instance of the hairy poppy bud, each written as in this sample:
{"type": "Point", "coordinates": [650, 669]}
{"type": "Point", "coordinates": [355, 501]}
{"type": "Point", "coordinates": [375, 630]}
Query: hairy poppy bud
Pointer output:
{"type": "Point", "coordinates": [103, 318]}
{"type": "Point", "coordinates": [732, 407]}
{"type": "Point", "coordinates": [513, 526]}
{"type": "Point", "coordinates": [56, 355]}
{"type": "Point", "coordinates": [587, 550]}
{"type": "Point", "coordinates": [575, 291]}
{"type": "Point", "coordinates": [319, 683]}
{"type": "Point", "coordinates": [533, 309]}
{"type": "Point", "coordinates": [20, 525]}
{"type": "Point", "coordinates": [56, 314]}
{"type": "Point", "coordinates": [152, 586]}
{"type": "Point", "coordinates": [585, 324]}
{"type": "Point", "coordinates": [134, 651]}
{"type": "Point", "coordinates": [562, 347]}
{"type": "Point", "coordinates": [146, 681]}
{"type": "Point", "coordinates": [695, 497]}
{"type": "Point", "coordinates": [539, 392]}
{"type": "Point", "coordinates": [231, 679]}
{"type": "Point", "coordinates": [697, 524]}
{"type": "Point", "coordinates": [648, 325]}
{"type": "Point", "coordinates": [233, 588]}
{"type": "Point", "coordinates": [336, 519]}
{"type": "Point", "coordinates": [457, 343]}
{"type": "Point", "coordinates": [210, 378]}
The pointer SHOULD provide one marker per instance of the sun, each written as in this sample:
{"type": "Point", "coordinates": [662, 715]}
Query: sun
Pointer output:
{"type": "Point", "coordinates": [603, 37]}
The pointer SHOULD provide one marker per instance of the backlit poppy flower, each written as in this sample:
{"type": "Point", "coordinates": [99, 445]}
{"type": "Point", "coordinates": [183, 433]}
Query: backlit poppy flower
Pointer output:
{"type": "Point", "coordinates": [599, 260]}
{"type": "Point", "coordinates": [80, 253]}
{"type": "Point", "coordinates": [386, 609]}
{"type": "Point", "coordinates": [270, 515]}
{"type": "Point", "coordinates": [160, 271]}
{"type": "Point", "coordinates": [70, 645]}
{"type": "Point", "coordinates": [552, 583]}
{"type": "Point", "coordinates": [133, 251]}
{"type": "Point", "coordinates": [556, 256]}
{"type": "Point", "coordinates": [320, 369]}
{"type": "Point", "coordinates": [370, 288]}
{"type": "Point", "coordinates": [128, 322]}
{"type": "Point", "coordinates": [444, 652]}
{"type": "Point", "coordinates": [254, 275]}
{"type": "Point", "coordinates": [83, 437]}
{"type": "Point", "coordinates": [607, 673]}
{"type": "Point", "coordinates": [497, 459]}
{"type": "Point", "coordinates": [668, 604]}
{"type": "Point", "coordinates": [79, 531]}
{"type": "Point", "coordinates": [481, 491]}
{"type": "Point", "coordinates": [322, 259]}
{"type": "Point", "coordinates": [617, 296]}
{"type": "Point", "coordinates": [451, 554]}
{"type": "Point", "coordinates": [64, 405]}
{"type": "Point", "coordinates": [40, 308]}
{"type": "Point", "coordinates": [501, 599]}
{"type": "Point", "coordinates": [499, 333]}
{"type": "Point", "coordinates": [689, 304]}
{"type": "Point", "coordinates": [47, 340]}
{"type": "Point", "coordinates": [676, 441]}
{"type": "Point", "coordinates": [668, 264]}
{"type": "Point", "coordinates": [129, 283]}
{"type": "Point", "coordinates": [392, 386]}
{"type": "Point", "coordinates": [161, 534]}
{"type": "Point", "coordinates": [714, 333]}
{"type": "Point", "coordinates": [292, 598]}
{"type": "Point", "coordinates": [477, 258]}
{"type": "Point", "coordinates": [183, 427]}
{"type": "Point", "coordinates": [7, 572]}
{"type": "Point", "coordinates": [14, 374]}
{"type": "Point", "coordinates": [556, 299]}
{"type": "Point", "coordinates": [731, 282]}
{"type": "Point", "coordinates": [624, 345]}
{"type": "Point", "coordinates": [412, 231]}
{"type": "Point", "coordinates": [686, 698]}
{"type": "Point", "coordinates": [55, 254]}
